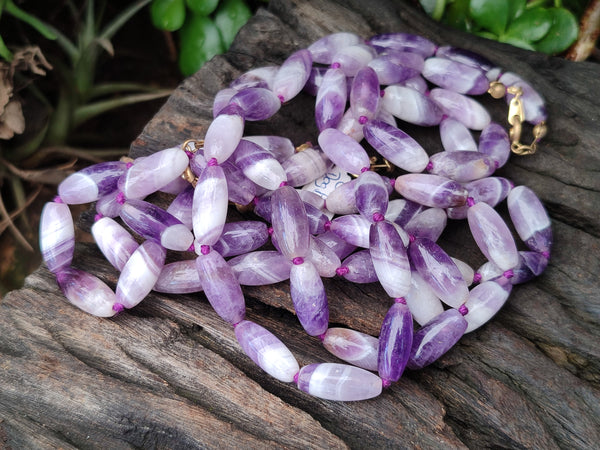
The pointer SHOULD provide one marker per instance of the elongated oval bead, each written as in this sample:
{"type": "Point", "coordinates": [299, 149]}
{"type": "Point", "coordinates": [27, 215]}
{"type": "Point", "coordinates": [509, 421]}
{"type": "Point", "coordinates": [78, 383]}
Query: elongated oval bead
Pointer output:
{"type": "Point", "coordinates": [456, 136]}
{"type": "Point", "coordinates": [240, 189]}
{"type": "Point", "coordinates": [401, 211]}
{"type": "Point", "coordinates": [491, 190]}
{"type": "Point", "coordinates": [140, 273]}
{"type": "Point", "coordinates": [460, 107]}
{"type": "Point", "coordinates": [494, 142]}
{"type": "Point", "coordinates": [341, 382]}
{"type": "Point", "coordinates": [354, 347]}
{"type": "Point", "coordinates": [422, 301]}
{"type": "Point", "coordinates": [114, 241]}
{"type": "Point", "coordinates": [153, 222]}
{"type": "Point", "coordinates": [417, 83]}
{"type": "Point", "coordinates": [364, 94]}
{"type": "Point", "coordinates": [485, 300]}
{"type": "Point", "coordinates": [314, 80]}
{"type": "Point", "coordinates": [492, 236]}
{"type": "Point", "coordinates": [324, 258]}
{"type": "Point", "coordinates": [344, 151]}
{"type": "Point", "coordinates": [309, 298]}
{"type": "Point", "coordinates": [57, 236]}
{"type": "Point", "coordinates": [405, 42]}
{"type": "Point", "coordinates": [267, 351]}
{"type": "Point", "coordinates": [394, 67]}
{"type": "Point", "coordinates": [324, 49]}
{"type": "Point", "coordinates": [353, 229]}
{"type": "Point", "coordinates": [466, 271]}
{"type": "Point", "coordinates": [353, 58]}
{"type": "Point", "coordinates": [436, 337]}
{"type": "Point", "coordinates": [256, 103]}
{"type": "Point", "coordinates": [241, 237]}
{"type": "Point", "coordinates": [389, 258]}
{"type": "Point", "coordinates": [331, 99]}
{"type": "Point", "coordinates": [179, 277]}
{"type": "Point", "coordinates": [395, 342]}
{"type": "Point", "coordinates": [151, 173]}
{"type": "Point", "coordinates": [280, 147]}
{"type": "Point", "coordinates": [260, 267]}
{"type": "Point", "coordinates": [209, 208]}
{"type": "Point", "coordinates": [91, 183]}
{"type": "Point", "coordinates": [342, 200]}
{"type": "Point", "coordinates": [411, 106]}
{"type": "Point", "coordinates": [290, 223]}
{"type": "Point", "coordinates": [222, 99]}
{"type": "Point", "coordinates": [181, 206]}
{"type": "Point", "coordinates": [317, 219]}
{"type": "Point", "coordinates": [87, 292]}
{"type": "Point", "coordinates": [305, 166]}
{"type": "Point", "coordinates": [292, 75]}
{"type": "Point", "coordinates": [108, 205]}
{"type": "Point", "coordinates": [351, 126]}
{"type": "Point", "coordinates": [439, 271]}
{"type": "Point", "coordinates": [358, 268]}
{"type": "Point", "coordinates": [260, 77]}
{"type": "Point", "coordinates": [224, 133]}
{"type": "Point", "coordinates": [431, 190]}
{"type": "Point", "coordinates": [465, 56]}
{"type": "Point", "coordinates": [534, 107]}
{"type": "Point", "coordinates": [371, 196]}
{"type": "Point", "coordinates": [530, 219]}
{"type": "Point", "coordinates": [461, 165]}
{"type": "Point", "coordinates": [427, 224]}
{"type": "Point", "coordinates": [259, 165]}
{"type": "Point", "coordinates": [396, 146]}
{"type": "Point", "coordinates": [221, 287]}
{"type": "Point", "coordinates": [340, 247]}
{"type": "Point", "coordinates": [455, 76]}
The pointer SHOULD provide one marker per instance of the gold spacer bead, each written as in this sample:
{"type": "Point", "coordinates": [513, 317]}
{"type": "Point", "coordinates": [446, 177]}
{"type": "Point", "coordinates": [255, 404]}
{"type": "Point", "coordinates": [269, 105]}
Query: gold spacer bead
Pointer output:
{"type": "Point", "coordinates": [497, 89]}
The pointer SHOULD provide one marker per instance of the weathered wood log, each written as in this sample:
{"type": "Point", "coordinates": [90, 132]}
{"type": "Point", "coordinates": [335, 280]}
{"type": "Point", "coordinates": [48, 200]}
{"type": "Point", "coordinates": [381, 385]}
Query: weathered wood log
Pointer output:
{"type": "Point", "coordinates": [169, 373]}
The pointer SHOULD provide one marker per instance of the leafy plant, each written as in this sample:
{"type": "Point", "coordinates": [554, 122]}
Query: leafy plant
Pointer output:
{"type": "Point", "coordinates": [547, 26]}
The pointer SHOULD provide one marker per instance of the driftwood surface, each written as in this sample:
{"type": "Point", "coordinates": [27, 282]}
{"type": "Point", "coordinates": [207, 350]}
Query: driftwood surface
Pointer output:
{"type": "Point", "coordinates": [170, 374]}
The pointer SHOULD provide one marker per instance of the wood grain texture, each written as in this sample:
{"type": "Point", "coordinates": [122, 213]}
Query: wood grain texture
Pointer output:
{"type": "Point", "coordinates": [169, 374]}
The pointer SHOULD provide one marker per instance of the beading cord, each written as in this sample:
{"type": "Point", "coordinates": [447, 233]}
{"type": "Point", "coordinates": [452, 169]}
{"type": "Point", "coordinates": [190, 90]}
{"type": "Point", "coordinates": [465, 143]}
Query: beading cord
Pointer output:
{"type": "Point", "coordinates": [330, 212]}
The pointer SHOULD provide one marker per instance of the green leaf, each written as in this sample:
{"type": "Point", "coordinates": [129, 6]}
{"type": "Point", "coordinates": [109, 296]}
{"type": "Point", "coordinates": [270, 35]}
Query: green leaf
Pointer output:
{"type": "Point", "coordinates": [491, 15]}
{"type": "Point", "coordinates": [562, 33]}
{"type": "Point", "coordinates": [5, 53]}
{"type": "Point", "coordinates": [516, 8]}
{"type": "Point", "coordinates": [457, 15]}
{"type": "Point", "coordinates": [33, 21]}
{"type": "Point", "coordinates": [230, 17]}
{"type": "Point", "coordinates": [102, 89]}
{"type": "Point", "coordinates": [516, 42]}
{"type": "Point", "coordinates": [530, 26]}
{"type": "Point", "coordinates": [200, 41]}
{"type": "Point", "coordinates": [168, 15]}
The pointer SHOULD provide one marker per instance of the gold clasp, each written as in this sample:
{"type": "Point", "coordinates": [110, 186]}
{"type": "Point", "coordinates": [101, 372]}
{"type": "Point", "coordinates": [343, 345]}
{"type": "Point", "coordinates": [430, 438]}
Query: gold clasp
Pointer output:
{"type": "Point", "coordinates": [192, 146]}
{"type": "Point", "coordinates": [386, 166]}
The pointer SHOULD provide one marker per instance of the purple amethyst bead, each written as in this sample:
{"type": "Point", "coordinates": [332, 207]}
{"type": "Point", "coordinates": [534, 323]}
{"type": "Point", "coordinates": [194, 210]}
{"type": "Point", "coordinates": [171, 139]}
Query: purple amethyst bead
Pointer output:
{"type": "Point", "coordinates": [485, 300]}
{"type": "Point", "coordinates": [324, 49]}
{"type": "Point", "coordinates": [431, 190]}
{"type": "Point", "coordinates": [292, 75]}
{"type": "Point", "coordinates": [403, 42]}
{"type": "Point", "coordinates": [259, 165]}
{"type": "Point", "coordinates": [395, 342]}
{"type": "Point", "coordinates": [224, 133]}
{"type": "Point", "coordinates": [108, 205]}
{"type": "Point", "coordinates": [530, 219]}
{"type": "Point", "coordinates": [324, 258]}
{"type": "Point", "coordinates": [256, 103]}
{"type": "Point", "coordinates": [353, 58]}
{"type": "Point", "coordinates": [305, 166]}
{"type": "Point", "coordinates": [460, 107]}
{"type": "Point", "coordinates": [371, 196]}
{"type": "Point", "coordinates": [455, 76]}
{"type": "Point", "coordinates": [57, 236]}
{"type": "Point", "coordinates": [359, 268]}
{"type": "Point", "coordinates": [241, 237]}
{"type": "Point", "coordinates": [462, 165]}
{"type": "Point", "coordinates": [91, 183]}
{"type": "Point", "coordinates": [401, 211]}
{"type": "Point", "coordinates": [342, 200]}
{"type": "Point", "coordinates": [114, 241]}
{"type": "Point", "coordinates": [411, 106]}
{"type": "Point", "coordinates": [353, 228]}
{"type": "Point", "coordinates": [222, 99]}
{"type": "Point", "coordinates": [261, 267]}
{"type": "Point", "coordinates": [364, 94]}
{"type": "Point", "coordinates": [331, 99]}
{"type": "Point", "coordinates": [290, 223]}
{"type": "Point", "coordinates": [389, 258]}
{"type": "Point", "coordinates": [422, 301]}
{"type": "Point", "coordinates": [317, 219]}
{"type": "Point", "coordinates": [464, 56]}
{"type": "Point", "coordinates": [456, 136]}
{"type": "Point", "coordinates": [179, 277]}
{"type": "Point", "coordinates": [181, 206]}
{"type": "Point", "coordinates": [87, 292]}
{"type": "Point", "coordinates": [427, 224]}
{"type": "Point", "coordinates": [344, 151]}
{"type": "Point", "coordinates": [393, 67]}
{"type": "Point", "coordinates": [310, 301]}
{"type": "Point", "coordinates": [339, 246]}
{"type": "Point", "coordinates": [359, 349]}
{"type": "Point", "coordinates": [260, 77]}
{"type": "Point", "coordinates": [341, 382]}
{"type": "Point", "coordinates": [491, 190]}
{"type": "Point", "coordinates": [280, 147]}
{"type": "Point", "coordinates": [240, 189]}
{"type": "Point", "coordinates": [494, 141]}
{"type": "Point", "coordinates": [209, 207]}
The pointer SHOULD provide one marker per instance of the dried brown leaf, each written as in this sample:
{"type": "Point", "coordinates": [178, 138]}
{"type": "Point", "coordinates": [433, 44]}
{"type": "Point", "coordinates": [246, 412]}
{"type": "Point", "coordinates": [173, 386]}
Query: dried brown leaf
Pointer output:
{"type": "Point", "coordinates": [11, 120]}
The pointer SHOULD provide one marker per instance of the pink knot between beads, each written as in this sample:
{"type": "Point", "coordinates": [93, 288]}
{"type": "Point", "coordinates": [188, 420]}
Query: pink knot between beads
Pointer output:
{"type": "Point", "coordinates": [205, 249]}
{"type": "Point", "coordinates": [283, 183]}
{"type": "Point", "coordinates": [296, 377]}
{"type": "Point", "coordinates": [429, 166]}
{"type": "Point", "coordinates": [546, 254]}
{"type": "Point", "coordinates": [444, 116]}
{"type": "Point", "coordinates": [212, 162]}
{"type": "Point", "coordinates": [120, 198]}
{"type": "Point", "coordinates": [401, 300]}
{"type": "Point", "coordinates": [281, 98]}
{"type": "Point", "coordinates": [342, 270]}
{"type": "Point", "coordinates": [118, 307]}
{"type": "Point", "coordinates": [470, 201]}
{"type": "Point", "coordinates": [270, 231]}
{"type": "Point", "coordinates": [411, 238]}
{"type": "Point", "coordinates": [57, 199]}
{"type": "Point", "coordinates": [192, 248]}
{"type": "Point", "coordinates": [364, 169]}
{"type": "Point", "coordinates": [393, 182]}
{"type": "Point", "coordinates": [336, 65]}
{"type": "Point", "coordinates": [189, 154]}
{"type": "Point", "coordinates": [508, 274]}
{"type": "Point", "coordinates": [98, 216]}
{"type": "Point", "coordinates": [129, 165]}
{"type": "Point", "coordinates": [386, 383]}
{"type": "Point", "coordinates": [363, 119]}
{"type": "Point", "coordinates": [381, 93]}
{"type": "Point", "coordinates": [327, 225]}
{"type": "Point", "coordinates": [322, 336]}
{"type": "Point", "coordinates": [378, 217]}
{"type": "Point", "coordinates": [476, 277]}
{"type": "Point", "coordinates": [463, 309]}
{"type": "Point", "coordinates": [298, 260]}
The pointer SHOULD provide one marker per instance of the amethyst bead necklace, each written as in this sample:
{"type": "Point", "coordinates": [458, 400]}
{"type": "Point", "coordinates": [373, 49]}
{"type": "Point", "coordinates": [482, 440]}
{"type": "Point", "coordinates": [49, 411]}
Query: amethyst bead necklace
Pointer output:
{"type": "Point", "coordinates": [325, 210]}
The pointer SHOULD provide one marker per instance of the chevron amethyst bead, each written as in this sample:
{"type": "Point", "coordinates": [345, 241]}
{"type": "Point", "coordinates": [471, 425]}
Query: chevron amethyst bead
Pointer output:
{"type": "Point", "coordinates": [181, 206]}
{"type": "Point", "coordinates": [87, 292]}
{"type": "Point", "coordinates": [358, 268]}
{"type": "Point", "coordinates": [309, 298]}
{"type": "Point", "coordinates": [292, 75]}
{"type": "Point", "coordinates": [401, 211]}
{"type": "Point", "coordinates": [260, 267]}
{"type": "Point", "coordinates": [240, 190]}
{"type": "Point", "coordinates": [342, 200]}
{"type": "Point", "coordinates": [460, 107]}
{"type": "Point", "coordinates": [259, 165]}
{"type": "Point", "coordinates": [289, 222]}
{"type": "Point", "coordinates": [256, 103]}
{"type": "Point", "coordinates": [411, 106]}
{"type": "Point", "coordinates": [222, 99]}
{"type": "Point", "coordinates": [91, 183]}
{"type": "Point", "coordinates": [324, 49]}
{"type": "Point", "coordinates": [431, 190]}
{"type": "Point", "coordinates": [405, 42]}
{"type": "Point", "coordinates": [485, 300]}
{"type": "Point", "coordinates": [332, 381]}
{"type": "Point", "coordinates": [57, 236]}
{"type": "Point", "coordinates": [429, 224]}
{"type": "Point", "coordinates": [241, 237]}
{"type": "Point", "coordinates": [464, 56]}
{"type": "Point", "coordinates": [317, 219]}
{"type": "Point", "coordinates": [394, 66]}
{"type": "Point", "coordinates": [494, 142]}
{"type": "Point", "coordinates": [395, 342]}
{"type": "Point", "coordinates": [422, 301]}
{"type": "Point", "coordinates": [354, 347]}
{"type": "Point", "coordinates": [280, 147]}
{"type": "Point", "coordinates": [224, 133]}
{"type": "Point", "coordinates": [455, 76]}
{"type": "Point", "coordinates": [331, 99]}
{"type": "Point", "coordinates": [371, 196]}
{"type": "Point", "coordinates": [343, 151]}
{"type": "Point", "coordinates": [339, 246]}
{"type": "Point", "coordinates": [179, 277]}
{"type": "Point", "coordinates": [461, 165]}
{"type": "Point", "coordinates": [260, 77]}
{"type": "Point", "coordinates": [491, 190]}
{"type": "Point", "coordinates": [209, 207]}
{"type": "Point", "coordinates": [324, 258]}
{"type": "Point", "coordinates": [108, 206]}
{"type": "Point", "coordinates": [353, 58]}
{"type": "Point", "coordinates": [352, 228]}
{"type": "Point", "coordinates": [364, 94]}
{"type": "Point", "coordinates": [390, 259]}
{"type": "Point", "coordinates": [530, 219]}
{"type": "Point", "coordinates": [305, 166]}
{"type": "Point", "coordinates": [456, 136]}
{"type": "Point", "coordinates": [114, 241]}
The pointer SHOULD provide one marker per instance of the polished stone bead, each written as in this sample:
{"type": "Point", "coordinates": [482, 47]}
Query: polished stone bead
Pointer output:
{"type": "Point", "coordinates": [181, 206]}
{"type": "Point", "coordinates": [241, 237]}
{"type": "Point", "coordinates": [309, 298]}
{"type": "Point", "coordinates": [292, 75]}
{"type": "Point", "coordinates": [534, 107]}
{"type": "Point", "coordinates": [461, 165]}
{"type": "Point", "coordinates": [324, 258]}
{"type": "Point", "coordinates": [411, 106]}
{"type": "Point", "coordinates": [491, 190]}
{"type": "Point", "coordinates": [267, 351]}
{"type": "Point", "coordinates": [240, 189]}
{"type": "Point", "coordinates": [290, 223]}
{"type": "Point", "coordinates": [360, 268]}
{"type": "Point", "coordinates": [209, 207]}
{"type": "Point", "coordinates": [339, 246]}
{"type": "Point", "coordinates": [305, 166]}
{"type": "Point", "coordinates": [108, 206]}
{"type": "Point", "coordinates": [404, 42]}
{"type": "Point", "coordinates": [353, 229]}
{"type": "Point", "coordinates": [439, 271]}
{"type": "Point", "coordinates": [91, 183]}
{"type": "Point", "coordinates": [485, 300]}
{"type": "Point", "coordinates": [422, 301]}
{"type": "Point", "coordinates": [259, 165]}
{"type": "Point", "coordinates": [495, 143]}
{"type": "Point", "coordinates": [261, 267]}
{"type": "Point", "coordinates": [460, 107]}
{"type": "Point", "coordinates": [393, 67]}
{"type": "Point", "coordinates": [436, 337]}
{"type": "Point", "coordinates": [342, 200]}
{"type": "Point", "coordinates": [153, 222]}
{"type": "Point", "coordinates": [280, 147]}
{"type": "Point", "coordinates": [395, 342]}
{"type": "Point", "coordinates": [221, 287]}
{"type": "Point", "coordinates": [87, 292]}
{"type": "Point", "coordinates": [331, 99]}
{"type": "Point", "coordinates": [417, 83]}
{"type": "Point", "coordinates": [530, 265]}
{"type": "Point", "coordinates": [371, 195]}
{"type": "Point", "coordinates": [114, 241]}
{"type": "Point", "coordinates": [57, 236]}
{"type": "Point", "coordinates": [314, 80]}
{"type": "Point", "coordinates": [179, 277]}
{"type": "Point", "coordinates": [530, 219]}
{"type": "Point", "coordinates": [351, 126]}
{"type": "Point", "coordinates": [390, 259]}
{"type": "Point", "coordinates": [466, 270]}
{"type": "Point", "coordinates": [222, 99]}
{"type": "Point", "coordinates": [317, 219]}
{"type": "Point", "coordinates": [429, 224]}
{"type": "Point", "coordinates": [256, 103]}
{"type": "Point", "coordinates": [312, 198]}
{"type": "Point", "coordinates": [431, 190]}
{"type": "Point", "coordinates": [343, 151]}
{"type": "Point", "coordinates": [464, 56]}
{"type": "Point", "coordinates": [401, 211]}
{"type": "Point", "coordinates": [149, 174]}
{"type": "Point", "coordinates": [364, 94]}
{"type": "Point", "coordinates": [341, 382]}
{"type": "Point", "coordinates": [396, 146]}
{"type": "Point", "coordinates": [455, 76]}
{"type": "Point", "coordinates": [224, 133]}
{"type": "Point", "coordinates": [324, 49]}
{"type": "Point", "coordinates": [456, 136]}
{"type": "Point", "coordinates": [140, 273]}
{"type": "Point", "coordinates": [354, 347]}
{"type": "Point", "coordinates": [353, 58]}
{"type": "Point", "coordinates": [260, 77]}
{"type": "Point", "coordinates": [492, 236]}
